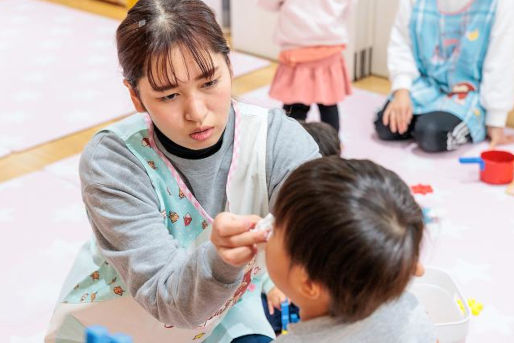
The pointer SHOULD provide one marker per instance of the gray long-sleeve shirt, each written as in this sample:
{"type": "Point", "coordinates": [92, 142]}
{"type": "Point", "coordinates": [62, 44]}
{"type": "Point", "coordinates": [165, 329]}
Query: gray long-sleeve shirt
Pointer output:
{"type": "Point", "coordinates": [177, 287]}
{"type": "Point", "coordinates": [401, 321]}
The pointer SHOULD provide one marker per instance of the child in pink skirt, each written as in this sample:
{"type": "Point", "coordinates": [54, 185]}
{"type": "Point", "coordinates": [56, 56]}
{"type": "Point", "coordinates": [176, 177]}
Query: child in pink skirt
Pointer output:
{"type": "Point", "coordinates": [312, 70]}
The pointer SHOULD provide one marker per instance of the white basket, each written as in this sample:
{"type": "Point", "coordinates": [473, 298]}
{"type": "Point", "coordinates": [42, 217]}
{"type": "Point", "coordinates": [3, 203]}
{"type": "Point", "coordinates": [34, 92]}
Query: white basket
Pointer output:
{"type": "Point", "coordinates": [439, 293]}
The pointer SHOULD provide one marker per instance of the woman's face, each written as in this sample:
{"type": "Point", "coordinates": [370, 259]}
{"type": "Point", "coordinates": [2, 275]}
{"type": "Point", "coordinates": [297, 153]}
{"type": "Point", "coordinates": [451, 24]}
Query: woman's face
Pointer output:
{"type": "Point", "coordinates": [194, 112]}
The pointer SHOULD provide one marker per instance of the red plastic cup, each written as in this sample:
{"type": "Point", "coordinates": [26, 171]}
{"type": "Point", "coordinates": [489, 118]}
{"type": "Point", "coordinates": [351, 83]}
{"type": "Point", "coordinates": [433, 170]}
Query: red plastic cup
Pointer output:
{"type": "Point", "coordinates": [499, 167]}
{"type": "Point", "coordinates": [496, 167]}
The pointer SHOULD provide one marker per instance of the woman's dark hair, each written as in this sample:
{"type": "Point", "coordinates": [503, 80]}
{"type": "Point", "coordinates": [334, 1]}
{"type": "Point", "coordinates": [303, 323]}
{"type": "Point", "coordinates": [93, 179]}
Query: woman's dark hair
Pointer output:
{"type": "Point", "coordinates": [356, 229]}
{"type": "Point", "coordinates": [153, 28]}
{"type": "Point", "coordinates": [325, 136]}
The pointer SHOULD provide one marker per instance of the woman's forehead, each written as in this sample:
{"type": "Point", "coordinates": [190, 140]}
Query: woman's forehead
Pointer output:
{"type": "Point", "coordinates": [180, 65]}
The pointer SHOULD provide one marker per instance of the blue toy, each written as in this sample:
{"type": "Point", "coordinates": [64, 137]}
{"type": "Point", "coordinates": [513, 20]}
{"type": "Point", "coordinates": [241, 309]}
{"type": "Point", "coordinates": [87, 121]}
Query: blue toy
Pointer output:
{"type": "Point", "coordinates": [284, 307]}
{"type": "Point", "coordinates": [294, 318]}
{"type": "Point", "coordinates": [120, 338]}
{"type": "Point", "coordinates": [427, 218]}
{"type": "Point", "coordinates": [287, 316]}
{"type": "Point", "coordinates": [430, 215]}
{"type": "Point", "coordinates": [99, 334]}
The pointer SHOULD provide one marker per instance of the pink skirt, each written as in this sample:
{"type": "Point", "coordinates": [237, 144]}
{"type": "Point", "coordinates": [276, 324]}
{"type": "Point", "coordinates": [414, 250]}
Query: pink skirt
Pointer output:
{"type": "Point", "coordinates": [325, 81]}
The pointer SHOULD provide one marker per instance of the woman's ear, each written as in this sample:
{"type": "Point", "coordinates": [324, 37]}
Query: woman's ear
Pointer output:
{"type": "Point", "coordinates": [135, 97]}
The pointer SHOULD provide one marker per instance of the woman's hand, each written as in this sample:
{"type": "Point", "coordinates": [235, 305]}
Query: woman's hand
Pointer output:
{"type": "Point", "coordinates": [275, 298]}
{"type": "Point", "coordinates": [233, 240]}
{"type": "Point", "coordinates": [498, 136]}
{"type": "Point", "coordinates": [398, 113]}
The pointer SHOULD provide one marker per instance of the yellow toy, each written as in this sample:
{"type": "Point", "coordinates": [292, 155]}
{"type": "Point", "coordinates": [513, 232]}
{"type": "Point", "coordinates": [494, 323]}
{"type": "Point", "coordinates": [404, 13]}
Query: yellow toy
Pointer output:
{"type": "Point", "coordinates": [510, 189]}
{"type": "Point", "coordinates": [475, 306]}
{"type": "Point", "coordinates": [200, 335]}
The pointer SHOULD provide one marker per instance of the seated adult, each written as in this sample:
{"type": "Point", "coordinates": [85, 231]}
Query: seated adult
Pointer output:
{"type": "Point", "coordinates": [452, 70]}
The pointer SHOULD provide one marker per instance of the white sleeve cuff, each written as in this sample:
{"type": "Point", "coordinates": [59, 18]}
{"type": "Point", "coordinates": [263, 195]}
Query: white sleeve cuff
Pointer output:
{"type": "Point", "coordinates": [496, 118]}
{"type": "Point", "coordinates": [401, 81]}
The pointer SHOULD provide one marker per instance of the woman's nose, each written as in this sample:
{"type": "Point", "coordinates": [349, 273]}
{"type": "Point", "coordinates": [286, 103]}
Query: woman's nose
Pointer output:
{"type": "Point", "coordinates": [195, 109]}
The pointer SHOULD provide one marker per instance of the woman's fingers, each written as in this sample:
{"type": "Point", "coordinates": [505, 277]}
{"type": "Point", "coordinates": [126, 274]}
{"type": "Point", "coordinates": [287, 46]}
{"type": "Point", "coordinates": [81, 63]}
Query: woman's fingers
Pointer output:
{"type": "Point", "coordinates": [387, 113]}
{"type": "Point", "coordinates": [232, 231]}
{"type": "Point", "coordinates": [403, 115]}
{"type": "Point", "coordinates": [228, 224]}
{"type": "Point", "coordinates": [246, 238]}
{"type": "Point", "coordinates": [237, 256]}
{"type": "Point", "coordinates": [406, 118]}
{"type": "Point", "coordinates": [393, 126]}
{"type": "Point", "coordinates": [402, 126]}
{"type": "Point", "coordinates": [232, 237]}
{"type": "Point", "coordinates": [409, 115]}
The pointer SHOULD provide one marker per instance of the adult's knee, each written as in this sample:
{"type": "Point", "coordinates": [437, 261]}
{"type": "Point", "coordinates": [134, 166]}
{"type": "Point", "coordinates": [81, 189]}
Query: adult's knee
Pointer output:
{"type": "Point", "coordinates": [383, 132]}
{"type": "Point", "coordinates": [429, 136]}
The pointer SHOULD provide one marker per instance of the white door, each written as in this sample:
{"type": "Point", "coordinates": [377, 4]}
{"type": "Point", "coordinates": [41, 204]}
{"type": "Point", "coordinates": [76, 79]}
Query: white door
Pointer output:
{"type": "Point", "coordinates": [385, 12]}
{"type": "Point", "coordinates": [252, 29]}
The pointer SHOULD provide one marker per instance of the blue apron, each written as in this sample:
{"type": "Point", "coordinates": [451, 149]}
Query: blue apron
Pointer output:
{"type": "Point", "coordinates": [101, 289]}
{"type": "Point", "coordinates": [449, 50]}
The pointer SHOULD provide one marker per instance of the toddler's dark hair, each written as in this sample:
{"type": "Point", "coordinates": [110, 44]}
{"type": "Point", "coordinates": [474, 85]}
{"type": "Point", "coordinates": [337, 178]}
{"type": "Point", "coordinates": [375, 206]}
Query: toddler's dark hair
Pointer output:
{"type": "Point", "coordinates": [356, 229]}
{"type": "Point", "coordinates": [325, 136]}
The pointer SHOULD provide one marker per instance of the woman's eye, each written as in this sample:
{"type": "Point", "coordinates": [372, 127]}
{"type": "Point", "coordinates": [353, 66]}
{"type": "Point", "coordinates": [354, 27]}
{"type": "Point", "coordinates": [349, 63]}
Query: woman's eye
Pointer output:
{"type": "Point", "coordinates": [210, 84]}
{"type": "Point", "coordinates": [169, 97]}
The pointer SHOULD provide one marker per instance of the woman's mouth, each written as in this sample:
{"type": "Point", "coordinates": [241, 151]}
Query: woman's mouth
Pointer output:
{"type": "Point", "coordinates": [201, 134]}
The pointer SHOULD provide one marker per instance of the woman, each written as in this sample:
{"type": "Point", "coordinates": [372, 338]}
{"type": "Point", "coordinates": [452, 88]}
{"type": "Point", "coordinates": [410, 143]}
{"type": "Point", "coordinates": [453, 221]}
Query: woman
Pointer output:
{"type": "Point", "coordinates": [153, 183]}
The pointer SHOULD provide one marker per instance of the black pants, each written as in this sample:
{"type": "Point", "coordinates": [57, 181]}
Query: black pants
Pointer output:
{"type": "Point", "coordinates": [433, 131]}
{"type": "Point", "coordinates": [328, 114]}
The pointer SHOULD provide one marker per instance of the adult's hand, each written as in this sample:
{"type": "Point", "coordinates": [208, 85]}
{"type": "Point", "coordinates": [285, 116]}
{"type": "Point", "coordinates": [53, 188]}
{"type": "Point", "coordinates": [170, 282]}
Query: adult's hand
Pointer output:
{"type": "Point", "coordinates": [234, 241]}
{"type": "Point", "coordinates": [398, 113]}
{"type": "Point", "coordinates": [498, 136]}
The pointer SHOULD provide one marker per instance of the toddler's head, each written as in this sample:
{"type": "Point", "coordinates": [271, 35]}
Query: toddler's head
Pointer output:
{"type": "Point", "coordinates": [346, 238]}
{"type": "Point", "coordinates": [325, 136]}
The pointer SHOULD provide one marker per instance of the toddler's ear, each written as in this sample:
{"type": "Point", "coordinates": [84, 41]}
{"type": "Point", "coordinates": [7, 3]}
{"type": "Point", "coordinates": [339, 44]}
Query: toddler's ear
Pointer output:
{"type": "Point", "coordinates": [420, 270]}
{"type": "Point", "coordinates": [306, 287]}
